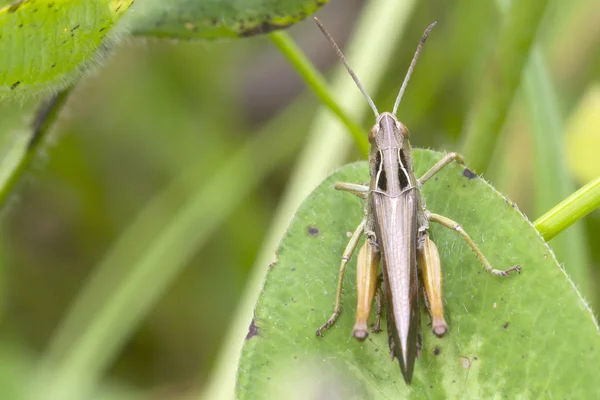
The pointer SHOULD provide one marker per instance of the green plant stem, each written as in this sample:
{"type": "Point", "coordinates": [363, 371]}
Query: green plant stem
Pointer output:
{"type": "Point", "coordinates": [501, 79]}
{"type": "Point", "coordinates": [317, 83]}
{"type": "Point", "coordinates": [570, 210]}
{"type": "Point", "coordinates": [374, 38]}
{"type": "Point", "coordinates": [114, 302]}
{"type": "Point", "coordinates": [23, 150]}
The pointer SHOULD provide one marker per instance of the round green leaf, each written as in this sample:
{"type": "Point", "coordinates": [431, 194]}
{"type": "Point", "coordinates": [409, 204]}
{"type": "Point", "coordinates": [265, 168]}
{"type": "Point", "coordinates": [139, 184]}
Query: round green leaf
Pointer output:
{"type": "Point", "coordinates": [529, 335]}
{"type": "Point", "coordinates": [43, 43]}
{"type": "Point", "coordinates": [206, 19]}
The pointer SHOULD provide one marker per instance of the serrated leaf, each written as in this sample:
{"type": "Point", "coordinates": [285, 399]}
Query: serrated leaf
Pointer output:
{"type": "Point", "coordinates": [208, 19]}
{"type": "Point", "coordinates": [43, 43]}
{"type": "Point", "coordinates": [525, 336]}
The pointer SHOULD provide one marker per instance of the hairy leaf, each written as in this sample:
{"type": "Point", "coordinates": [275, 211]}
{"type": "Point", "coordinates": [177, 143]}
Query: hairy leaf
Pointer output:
{"type": "Point", "coordinates": [525, 336]}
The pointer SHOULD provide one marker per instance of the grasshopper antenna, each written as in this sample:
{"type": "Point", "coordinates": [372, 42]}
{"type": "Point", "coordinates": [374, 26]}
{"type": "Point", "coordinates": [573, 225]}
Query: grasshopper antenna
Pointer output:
{"type": "Point", "coordinates": [352, 74]}
{"type": "Point", "coordinates": [412, 66]}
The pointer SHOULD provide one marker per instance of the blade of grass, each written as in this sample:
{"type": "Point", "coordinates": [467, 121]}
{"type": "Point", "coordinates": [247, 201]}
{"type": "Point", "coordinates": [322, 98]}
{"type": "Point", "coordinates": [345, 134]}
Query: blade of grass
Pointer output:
{"type": "Point", "coordinates": [502, 77]}
{"type": "Point", "coordinates": [374, 37]}
{"type": "Point", "coordinates": [570, 210]}
{"type": "Point", "coordinates": [24, 148]}
{"type": "Point", "coordinates": [552, 179]}
{"type": "Point", "coordinates": [113, 303]}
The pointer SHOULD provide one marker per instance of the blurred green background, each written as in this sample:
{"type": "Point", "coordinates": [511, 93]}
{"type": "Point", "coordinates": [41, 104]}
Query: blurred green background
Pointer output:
{"type": "Point", "coordinates": [157, 112]}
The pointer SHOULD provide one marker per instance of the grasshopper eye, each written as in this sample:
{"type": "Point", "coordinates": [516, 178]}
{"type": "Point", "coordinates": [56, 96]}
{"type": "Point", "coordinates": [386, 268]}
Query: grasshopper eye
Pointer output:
{"type": "Point", "coordinates": [403, 129]}
{"type": "Point", "coordinates": [373, 133]}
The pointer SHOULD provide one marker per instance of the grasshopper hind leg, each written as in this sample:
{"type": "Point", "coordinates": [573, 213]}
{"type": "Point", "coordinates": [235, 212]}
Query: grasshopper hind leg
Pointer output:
{"type": "Point", "coordinates": [338, 296]}
{"type": "Point", "coordinates": [379, 302]}
{"type": "Point", "coordinates": [450, 224]}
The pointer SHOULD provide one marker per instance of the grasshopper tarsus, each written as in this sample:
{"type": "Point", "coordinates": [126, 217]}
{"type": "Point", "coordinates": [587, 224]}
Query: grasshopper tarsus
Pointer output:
{"type": "Point", "coordinates": [330, 322]}
{"type": "Point", "coordinates": [506, 272]}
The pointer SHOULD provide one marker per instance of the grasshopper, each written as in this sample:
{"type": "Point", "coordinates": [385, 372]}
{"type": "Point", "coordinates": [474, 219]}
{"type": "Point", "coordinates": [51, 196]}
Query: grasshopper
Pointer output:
{"type": "Point", "coordinates": [396, 226]}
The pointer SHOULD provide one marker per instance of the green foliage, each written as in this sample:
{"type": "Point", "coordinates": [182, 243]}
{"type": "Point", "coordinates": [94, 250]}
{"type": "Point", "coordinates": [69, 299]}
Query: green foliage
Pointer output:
{"type": "Point", "coordinates": [43, 43]}
{"type": "Point", "coordinates": [209, 19]}
{"type": "Point", "coordinates": [502, 330]}
{"type": "Point", "coordinates": [123, 259]}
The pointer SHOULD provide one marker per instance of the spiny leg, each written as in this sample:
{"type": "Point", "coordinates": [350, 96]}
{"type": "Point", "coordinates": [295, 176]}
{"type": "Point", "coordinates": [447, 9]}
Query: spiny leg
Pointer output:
{"type": "Point", "coordinates": [345, 258]}
{"type": "Point", "coordinates": [379, 302]}
{"type": "Point", "coordinates": [447, 159]}
{"type": "Point", "coordinates": [448, 223]}
{"type": "Point", "coordinates": [358, 190]}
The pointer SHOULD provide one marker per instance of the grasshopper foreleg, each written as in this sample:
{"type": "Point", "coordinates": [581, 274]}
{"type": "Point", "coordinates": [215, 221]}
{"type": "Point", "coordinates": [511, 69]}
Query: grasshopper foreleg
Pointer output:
{"type": "Point", "coordinates": [448, 223]}
{"type": "Point", "coordinates": [447, 159]}
{"type": "Point", "coordinates": [338, 295]}
{"type": "Point", "coordinates": [358, 190]}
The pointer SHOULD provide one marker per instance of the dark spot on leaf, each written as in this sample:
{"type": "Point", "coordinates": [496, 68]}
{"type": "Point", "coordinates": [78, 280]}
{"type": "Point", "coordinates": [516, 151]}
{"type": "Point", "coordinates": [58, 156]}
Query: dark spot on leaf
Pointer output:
{"type": "Point", "coordinates": [293, 269]}
{"type": "Point", "coordinates": [53, 65]}
{"type": "Point", "coordinates": [475, 358]}
{"type": "Point", "coordinates": [464, 185]}
{"type": "Point", "coordinates": [102, 29]}
{"type": "Point", "coordinates": [14, 7]}
{"type": "Point", "coordinates": [505, 325]}
{"type": "Point", "coordinates": [313, 231]}
{"type": "Point", "coordinates": [467, 173]}
{"type": "Point", "coordinates": [436, 351]}
{"type": "Point", "coordinates": [431, 387]}
{"type": "Point", "coordinates": [14, 85]}
{"type": "Point", "coordinates": [272, 265]}
{"type": "Point", "coordinates": [75, 28]}
{"type": "Point", "coordinates": [20, 25]}
{"type": "Point", "coordinates": [262, 28]}
{"type": "Point", "coordinates": [252, 330]}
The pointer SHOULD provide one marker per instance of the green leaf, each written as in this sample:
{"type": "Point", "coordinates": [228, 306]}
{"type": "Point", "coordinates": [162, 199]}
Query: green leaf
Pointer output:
{"type": "Point", "coordinates": [44, 43]}
{"type": "Point", "coordinates": [528, 335]}
{"type": "Point", "coordinates": [207, 19]}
